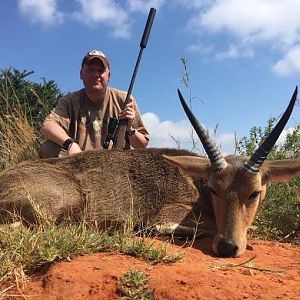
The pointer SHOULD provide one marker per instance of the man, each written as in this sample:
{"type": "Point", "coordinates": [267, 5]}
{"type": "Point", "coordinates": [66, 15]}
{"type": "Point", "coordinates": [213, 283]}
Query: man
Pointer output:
{"type": "Point", "coordinates": [80, 119]}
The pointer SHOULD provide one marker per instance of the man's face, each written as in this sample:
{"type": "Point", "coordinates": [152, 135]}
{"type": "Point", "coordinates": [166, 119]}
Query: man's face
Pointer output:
{"type": "Point", "coordinates": [95, 75]}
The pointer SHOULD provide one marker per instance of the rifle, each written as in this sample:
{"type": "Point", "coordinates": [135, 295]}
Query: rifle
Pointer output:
{"type": "Point", "coordinates": [117, 128]}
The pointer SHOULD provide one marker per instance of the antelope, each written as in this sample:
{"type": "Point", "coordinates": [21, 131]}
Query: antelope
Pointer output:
{"type": "Point", "coordinates": [176, 191]}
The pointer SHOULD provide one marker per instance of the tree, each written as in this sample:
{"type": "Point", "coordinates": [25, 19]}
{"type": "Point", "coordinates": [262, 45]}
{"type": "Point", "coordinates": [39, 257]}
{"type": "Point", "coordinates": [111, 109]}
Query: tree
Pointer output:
{"type": "Point", "coordinates": [36, 99]}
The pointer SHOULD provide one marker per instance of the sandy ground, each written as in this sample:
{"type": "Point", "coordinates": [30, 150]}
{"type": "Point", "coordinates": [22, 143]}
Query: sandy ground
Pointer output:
{"type": "Point", "coordinates": [199, 275]}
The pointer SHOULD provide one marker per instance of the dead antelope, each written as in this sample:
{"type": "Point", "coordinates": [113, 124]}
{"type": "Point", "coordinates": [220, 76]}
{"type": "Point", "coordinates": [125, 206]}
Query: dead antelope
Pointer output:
{"type": "Point", "coordinates": [175, 190]}
{"type": "Point", "coordinates": [237, 185]}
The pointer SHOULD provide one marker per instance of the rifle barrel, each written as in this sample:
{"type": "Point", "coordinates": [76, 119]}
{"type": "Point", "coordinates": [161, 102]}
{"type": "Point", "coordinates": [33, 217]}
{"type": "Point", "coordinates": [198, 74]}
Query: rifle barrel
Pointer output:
{"type": "Point", "coordinates": [143, 45]}
{"type": "Point", "coordinates": [118, 140]}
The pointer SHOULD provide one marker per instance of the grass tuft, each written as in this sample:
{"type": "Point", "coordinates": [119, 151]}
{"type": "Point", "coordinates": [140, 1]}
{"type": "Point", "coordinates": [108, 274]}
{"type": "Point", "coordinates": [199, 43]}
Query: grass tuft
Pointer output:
{"type": "Point", "coordinates": [139, 247]}
{"type": "Point", "coordinates": [133, 285]}
{"type": "Point", "coordinates": [25, 251]}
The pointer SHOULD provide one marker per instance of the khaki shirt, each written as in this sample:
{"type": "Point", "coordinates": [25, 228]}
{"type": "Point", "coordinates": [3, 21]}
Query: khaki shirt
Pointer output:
{"type": "Point", "coordinates": [87, 122]}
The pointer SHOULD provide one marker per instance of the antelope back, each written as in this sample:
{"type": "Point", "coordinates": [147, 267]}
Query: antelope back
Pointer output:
{"type": "Point", "coordinates": [110, 185]}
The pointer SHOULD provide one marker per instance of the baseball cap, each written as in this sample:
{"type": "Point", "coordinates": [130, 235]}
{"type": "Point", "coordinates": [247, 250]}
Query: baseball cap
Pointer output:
{"type": "Point", "coordinates": [95, 54]}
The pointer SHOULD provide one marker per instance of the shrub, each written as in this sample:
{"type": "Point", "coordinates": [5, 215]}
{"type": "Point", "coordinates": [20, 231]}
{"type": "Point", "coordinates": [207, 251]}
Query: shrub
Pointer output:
{"type": "Point", "coordinates": [23, 107]}
{"type": "Point", "coordinates": [279, 217]}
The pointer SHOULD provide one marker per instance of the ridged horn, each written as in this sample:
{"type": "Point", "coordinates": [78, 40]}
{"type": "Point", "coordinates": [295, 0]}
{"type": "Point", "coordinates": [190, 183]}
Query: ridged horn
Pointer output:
{"type": "Point", "coordinates": [217, 161]}
{"type": "Point", "coordinates": [260, 155]}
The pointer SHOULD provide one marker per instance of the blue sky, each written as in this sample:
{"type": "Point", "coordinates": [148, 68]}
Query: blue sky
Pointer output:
{"type": "Point", "coordinates": [243, 56]}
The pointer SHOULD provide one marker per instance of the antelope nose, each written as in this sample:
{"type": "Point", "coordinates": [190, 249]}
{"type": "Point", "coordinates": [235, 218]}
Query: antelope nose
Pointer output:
{"type": "Point", "coordinates": [227, 248]}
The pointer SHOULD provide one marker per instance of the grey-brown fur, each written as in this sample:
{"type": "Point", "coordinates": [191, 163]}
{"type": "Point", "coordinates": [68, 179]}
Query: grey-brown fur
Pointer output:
{"type": "Point", "coordinates": [175, 190]}
{"type": "Point", "coordinates": [109, 185]}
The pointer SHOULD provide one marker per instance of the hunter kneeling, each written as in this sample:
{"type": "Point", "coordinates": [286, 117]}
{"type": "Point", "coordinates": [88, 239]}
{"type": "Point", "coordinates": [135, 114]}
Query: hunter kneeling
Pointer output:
{"type": "Point", "coordinates": [80, 121]}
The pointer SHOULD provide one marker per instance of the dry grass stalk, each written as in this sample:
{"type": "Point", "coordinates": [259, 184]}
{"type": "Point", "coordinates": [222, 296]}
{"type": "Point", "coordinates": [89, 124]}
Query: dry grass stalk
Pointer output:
{"type": "Point", "coordinates": [248, 265]}
{"type": "Point", "coordinates": [17, 137]}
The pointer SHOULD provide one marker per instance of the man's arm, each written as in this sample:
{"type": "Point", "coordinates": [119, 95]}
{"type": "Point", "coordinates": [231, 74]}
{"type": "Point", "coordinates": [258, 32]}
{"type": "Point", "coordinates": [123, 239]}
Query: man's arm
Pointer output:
{"type": "Point", "coordinates": [138, 140]}
{"type": "Point", "coordinates": [52, 131]}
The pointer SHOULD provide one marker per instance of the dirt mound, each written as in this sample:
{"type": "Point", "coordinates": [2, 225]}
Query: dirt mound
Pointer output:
{"type": "Point", "coordinates": [275, 274]}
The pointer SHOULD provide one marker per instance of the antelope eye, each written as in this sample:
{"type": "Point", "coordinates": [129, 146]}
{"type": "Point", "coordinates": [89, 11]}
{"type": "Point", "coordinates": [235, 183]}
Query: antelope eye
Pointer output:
{"type": "Point", "coordinates": [212, 192]}
{"type": "Point", "coordinates": [254, 195]}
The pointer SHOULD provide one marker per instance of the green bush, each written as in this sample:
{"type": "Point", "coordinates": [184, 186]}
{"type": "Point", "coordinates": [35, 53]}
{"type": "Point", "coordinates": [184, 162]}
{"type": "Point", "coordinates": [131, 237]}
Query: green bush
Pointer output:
{"type": "Point", "coordinates": [23, 107]}
{"type": "Point", "coordinates": [279, 217]}
{"type": "Point", "coordinates": [36, 99]}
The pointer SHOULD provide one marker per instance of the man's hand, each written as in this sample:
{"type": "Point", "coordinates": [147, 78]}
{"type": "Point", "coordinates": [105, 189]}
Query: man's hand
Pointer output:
{"type": "Point", "coordinates": [74, 148]}
{"type": "Point", "coordinates": [128, 113]}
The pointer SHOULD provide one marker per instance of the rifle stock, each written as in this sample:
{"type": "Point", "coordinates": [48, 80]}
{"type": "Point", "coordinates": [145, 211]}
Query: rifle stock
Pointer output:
{"type": "Point", "coordinates": [118, 133]}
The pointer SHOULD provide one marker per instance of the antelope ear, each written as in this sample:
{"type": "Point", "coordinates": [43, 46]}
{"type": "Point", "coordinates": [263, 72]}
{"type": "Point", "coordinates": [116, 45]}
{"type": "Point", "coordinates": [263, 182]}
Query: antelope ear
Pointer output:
{"type": "Point", "coordinates": [191, 165]}
{"type": "Point", "coordinates": [280, 170]}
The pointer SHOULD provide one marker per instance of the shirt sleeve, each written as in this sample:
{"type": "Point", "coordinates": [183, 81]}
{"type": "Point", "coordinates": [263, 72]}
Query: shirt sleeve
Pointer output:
{"type": "Point", "coordinates": [61, 114]}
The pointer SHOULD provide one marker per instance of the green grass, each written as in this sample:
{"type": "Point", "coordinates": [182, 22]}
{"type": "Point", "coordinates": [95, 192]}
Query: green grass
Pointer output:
{"type": "Point", "coordinates": [24, 251]}
{"type": "Point", "coordinates": [133, 285]}
{"type": "Point", "coordinates": [139, 247]}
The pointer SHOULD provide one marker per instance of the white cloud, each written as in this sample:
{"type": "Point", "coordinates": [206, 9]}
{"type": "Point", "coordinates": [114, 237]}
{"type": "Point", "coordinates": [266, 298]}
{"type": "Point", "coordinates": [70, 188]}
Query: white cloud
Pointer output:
{"type": "Point", "coordinates": [202, 49]}
{"type": "Point", "coordinates": [226, 141]}
{"type": "Point", "coordinates": [44, 12]}
{"type": "Point", "coordinates": [283, 135]}
{"type": "Point", "coordinates": [290, 63]}
{"type": "Point", "coordinates": [161, 133]}
{"type": "Point", "coordinates": [255, 20]}
{"type": "Point", "coordinates": [192, 4]}
{"type": "Point", "coordinates": [110, 14]}
{"type": "Point", "coordinates": [235, 51]}
{"type": "Point", "coordinates": [145, 5]}
{"type": "Point", "coordinates": [248, 24]}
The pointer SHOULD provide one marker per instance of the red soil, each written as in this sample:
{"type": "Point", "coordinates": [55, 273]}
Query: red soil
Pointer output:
{"type": "Point", "coordinates": [199, 275]}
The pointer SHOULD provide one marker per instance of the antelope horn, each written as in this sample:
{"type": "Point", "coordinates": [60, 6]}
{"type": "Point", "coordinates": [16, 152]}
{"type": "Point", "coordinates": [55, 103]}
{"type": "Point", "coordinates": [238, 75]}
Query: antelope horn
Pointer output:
{"type": "Point", "coordinates": [217, 161]}
{"type": "Point", "coordinates": [260, 155]}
